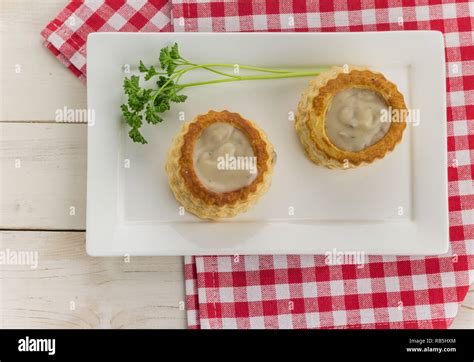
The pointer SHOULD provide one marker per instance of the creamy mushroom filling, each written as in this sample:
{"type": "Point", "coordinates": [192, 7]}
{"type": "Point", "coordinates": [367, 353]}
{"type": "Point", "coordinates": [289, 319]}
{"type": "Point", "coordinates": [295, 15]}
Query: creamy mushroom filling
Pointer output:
{"type": "Point", "coordinates": [223, 158]}
{"type": "Point", "coordinates": [354, 119]}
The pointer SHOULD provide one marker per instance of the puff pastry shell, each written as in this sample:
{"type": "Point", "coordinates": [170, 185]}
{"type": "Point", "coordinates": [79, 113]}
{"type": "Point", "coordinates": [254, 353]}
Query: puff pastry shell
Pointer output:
{"type": "Point", "coordinates": [188, 189]}
{"type": "Point", "coordinates": [311, 112]}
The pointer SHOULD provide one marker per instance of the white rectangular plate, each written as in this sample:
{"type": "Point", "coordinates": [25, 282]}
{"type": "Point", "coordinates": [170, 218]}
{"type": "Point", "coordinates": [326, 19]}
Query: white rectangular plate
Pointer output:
{"type": "Point", "coordinates": [395, 206]}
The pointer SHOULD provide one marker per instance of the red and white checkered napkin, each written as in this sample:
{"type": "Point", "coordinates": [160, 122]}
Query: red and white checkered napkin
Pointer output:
{"type": "Point", "coordinates": [66, 35]}
{"type": "Point", "coordinates": [303, 291]}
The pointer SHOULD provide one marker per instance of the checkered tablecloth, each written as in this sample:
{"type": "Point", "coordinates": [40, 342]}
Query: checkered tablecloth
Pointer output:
{"type": "Point", "coordinates": [303, 291]}
{"type": "Point", "coordinates": [66, 35]}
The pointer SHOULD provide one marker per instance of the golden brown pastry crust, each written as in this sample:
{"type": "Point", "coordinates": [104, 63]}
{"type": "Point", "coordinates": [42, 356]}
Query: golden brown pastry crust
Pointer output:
{"type": "Point", "coordinates": [187, 187]}
{"type": "Point", "coordinates": [311, 113]}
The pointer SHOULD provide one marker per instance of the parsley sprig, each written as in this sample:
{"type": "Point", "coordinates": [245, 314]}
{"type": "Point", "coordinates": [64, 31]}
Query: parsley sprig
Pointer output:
{"type": "Point", "coordinates": [148, 104]}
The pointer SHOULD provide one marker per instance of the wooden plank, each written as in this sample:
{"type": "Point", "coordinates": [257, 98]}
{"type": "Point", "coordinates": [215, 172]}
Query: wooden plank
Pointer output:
{"type": "Point", "coordinates": [43, 85]}
{"type": "Point", "coordinates": [465, 316]}
{"type": "Point", "coordinates": [69, 289]}
{"type": "Point", "coordinates": [43, 176]}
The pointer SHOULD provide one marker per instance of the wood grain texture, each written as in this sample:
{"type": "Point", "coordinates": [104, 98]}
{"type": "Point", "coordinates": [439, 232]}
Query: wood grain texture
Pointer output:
{"type": "Point", "coordinates": [43, 85]}
{"type": "Point", "coordinates": [465, 316]}
{"type": "Point", "coordinates": [147, 292]}
{"type": "Point", "coordinates": [43, 175]}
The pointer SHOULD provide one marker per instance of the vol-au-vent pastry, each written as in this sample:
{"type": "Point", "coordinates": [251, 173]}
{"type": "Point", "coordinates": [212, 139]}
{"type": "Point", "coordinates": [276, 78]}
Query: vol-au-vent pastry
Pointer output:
{"type": "Point", "coordinates": [349, 117]}
{"type": "Point", "coordinates": [219, 165]}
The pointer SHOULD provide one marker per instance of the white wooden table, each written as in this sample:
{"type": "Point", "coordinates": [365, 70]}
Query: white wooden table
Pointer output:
{"type": "Point", "coordinates": [68, 289]}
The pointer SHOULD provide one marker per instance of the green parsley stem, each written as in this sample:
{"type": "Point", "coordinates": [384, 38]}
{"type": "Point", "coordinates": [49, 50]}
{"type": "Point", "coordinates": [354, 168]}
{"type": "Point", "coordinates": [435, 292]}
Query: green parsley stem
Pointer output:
{"type": "Point", "coordinates": [247, 67]}
{"type": "Point", "coordinates": [252, 77]}
{"type": "Point", "coordinates": [233, 78]}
